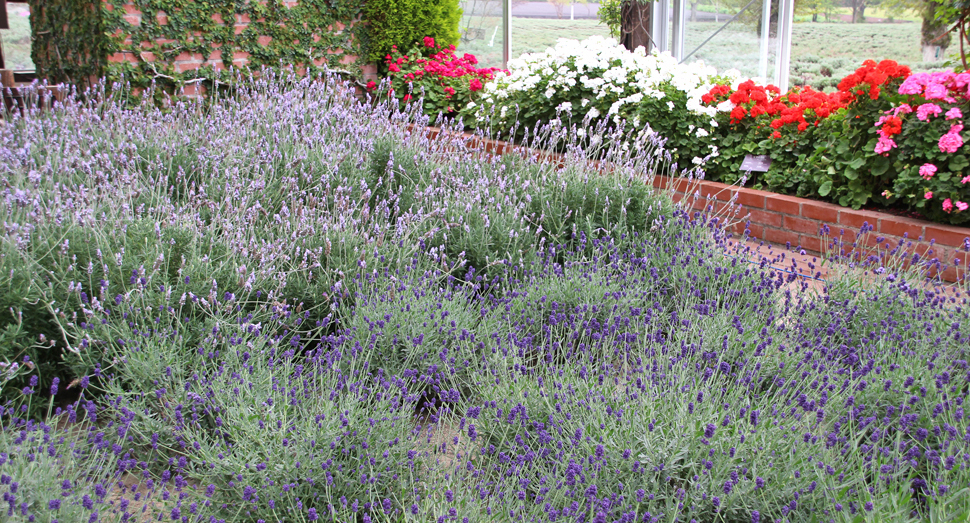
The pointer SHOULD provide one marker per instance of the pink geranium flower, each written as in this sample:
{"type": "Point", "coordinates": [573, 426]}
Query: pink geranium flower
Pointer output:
{"type": "Point", "coordinates": [962, 206]}
{"type": "Point", "coordinates": [950, 142]}
{"type": "Point", "coordinates": [947, 205]}
{"type": "Point", "coordinates": [924, 111]}
{"type": "Point", "coordinates": [927, 170]}
{"type": "Point", "coordinates": [954, 114]}
{"type": "Point", "coordinates": [935, 91]}
{"type": "Point", "coordinates": [966, 179]}
{"type": "Point", "coordinates": [928, 195]}
{"type": "Point", "coordinates": [884, 145]}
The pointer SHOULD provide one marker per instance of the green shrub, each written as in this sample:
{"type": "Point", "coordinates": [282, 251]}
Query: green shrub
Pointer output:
{"type": "Point", "coordinates": [404, 23]}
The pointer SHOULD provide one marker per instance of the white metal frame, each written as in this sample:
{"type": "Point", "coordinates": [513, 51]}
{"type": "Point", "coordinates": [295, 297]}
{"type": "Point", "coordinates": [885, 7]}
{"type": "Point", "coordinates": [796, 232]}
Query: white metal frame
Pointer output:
{"type": "Point", "coordinates": [506, 32]}
{"type": "Point", "coordinates": [786, 19]}
{"type": "Point", "coordinates": [666, 40]}
{"type": "Point", "coordinates": [660, 22]}
{"type": "Point", "coordinates": [680, 27]}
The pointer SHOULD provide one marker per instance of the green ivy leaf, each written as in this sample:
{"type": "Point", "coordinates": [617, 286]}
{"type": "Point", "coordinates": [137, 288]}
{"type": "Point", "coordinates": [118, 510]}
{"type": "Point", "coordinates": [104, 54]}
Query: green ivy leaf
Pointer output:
{"type": "Point", "coordinates": [958, 163]}
{"type": "Point", "coordinates": [825, 188]}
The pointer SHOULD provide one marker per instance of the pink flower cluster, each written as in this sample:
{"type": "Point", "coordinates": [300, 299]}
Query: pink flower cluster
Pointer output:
{"type": "Point", "coordinates": [889, 125]}
{"type": "Point", "coordinates": [948, 205]}
{"type": "Point", "coordinates": [927, 170]}
{"type": "Point", "coordinates": [951, 141]}
{"type": "Point", "coordinates": [946, 86]}
{"type": "Point", "coordinates": [930, 95]}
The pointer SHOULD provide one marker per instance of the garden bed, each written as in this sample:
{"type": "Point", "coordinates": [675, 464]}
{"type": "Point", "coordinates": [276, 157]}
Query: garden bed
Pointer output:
{"type": "Point", "coordinates": [290, 307]}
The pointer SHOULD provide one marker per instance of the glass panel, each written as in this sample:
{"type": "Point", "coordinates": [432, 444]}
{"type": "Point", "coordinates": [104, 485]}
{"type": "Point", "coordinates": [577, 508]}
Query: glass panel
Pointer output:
{"type": "Point", "coordinates": [16, 40]}
{"type": "Point", "coordinates": [481, 31]}
{"type": "Point", "coordinates": [537, 26]}
{"type": "Point", "coordinates": [827, 46]}
{"type": "Point", "coordinates": [735, 46]}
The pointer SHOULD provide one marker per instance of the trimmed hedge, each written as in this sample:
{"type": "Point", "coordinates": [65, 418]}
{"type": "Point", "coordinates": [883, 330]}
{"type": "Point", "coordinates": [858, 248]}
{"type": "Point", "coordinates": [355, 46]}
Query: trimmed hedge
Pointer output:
{"type": "Point", "coordinates": [405, 23]}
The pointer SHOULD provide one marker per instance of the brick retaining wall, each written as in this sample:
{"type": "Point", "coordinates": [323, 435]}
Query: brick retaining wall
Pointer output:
{"type": "Point", "coordinates": [781, 219]}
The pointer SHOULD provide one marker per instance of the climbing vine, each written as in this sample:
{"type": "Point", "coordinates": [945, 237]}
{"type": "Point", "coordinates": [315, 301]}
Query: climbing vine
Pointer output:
{"type": "Point", "coordinates": [68, 42]}
{"type": "Point", "coordinates": [75, 38]}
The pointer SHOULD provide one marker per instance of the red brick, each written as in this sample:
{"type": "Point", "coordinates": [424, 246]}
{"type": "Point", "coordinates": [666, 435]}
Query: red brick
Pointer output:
{"type": "Point", "coordinates": [162, 19]}
{"type": "Point", "coordinates": [757, 231]}
{"type": "Point", "coordinates": [785, 204]}
{"type": "Point", "coordinates": [121, 57]}
{"type": "Point", "coordinates": [765, 218]}
{"type": "Point", "coordinates": [147, 57]}
{"type": "Point", "coordinates": [181, 67]}
{"type": "Point", "coordinates": [186, 56]}
{"type": "Point", "coordinates": [238, 29]}
{"type": "Point", "coordinates": [825, 212]}
{"type": "Point", "coordinates": [193, 90]}
{"type": "Point", "coordinates": [850, 218]}
{"type": "Point", "coordinates": [264, 40]}
{"type": "Point", "coordinates": [751, 198]}
{"type": "Point", "coordinates": [677, 184]}
{"type": "Point", "coordinates": [779, 236]}
{"type": "Point", "coordinates": [947, 235]}
{"type": "Point", "coordinates": [951, 274]}
{"type": "Point", "coordinates": [217, 18]}
{"type": "Point", "coordinates": [133, 19]}
{"type": "Point", "coordinates": [131, 9]}
{"type": "Point", "coordinates": [676, 196]}
{"type": "Point", "coordinates": [801, 225]}
{"type": "Point", "coordinates": [924, 250]}
{"type": "Point", "coordinates": [811, 243]}
{"type": "Point", "coordinates": [242, 19]}
{"type": "Point", "coordinates": [718, 191]}
{"type": "Point", "coordinates": [898, 227]}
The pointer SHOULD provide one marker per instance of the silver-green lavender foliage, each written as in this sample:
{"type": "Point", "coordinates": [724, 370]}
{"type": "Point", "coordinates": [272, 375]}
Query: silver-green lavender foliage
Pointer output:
{"type": "Point", "coordinates": [285, 306]}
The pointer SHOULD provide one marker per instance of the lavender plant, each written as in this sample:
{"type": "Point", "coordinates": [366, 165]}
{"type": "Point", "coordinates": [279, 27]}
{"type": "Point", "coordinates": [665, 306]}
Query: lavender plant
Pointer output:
{"type": "Point", "coordinates": [288, 305]}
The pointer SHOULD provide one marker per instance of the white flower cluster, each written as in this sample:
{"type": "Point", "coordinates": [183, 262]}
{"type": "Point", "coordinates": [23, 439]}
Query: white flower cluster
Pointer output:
{"type": "Point", "coordinates": [607, 75]}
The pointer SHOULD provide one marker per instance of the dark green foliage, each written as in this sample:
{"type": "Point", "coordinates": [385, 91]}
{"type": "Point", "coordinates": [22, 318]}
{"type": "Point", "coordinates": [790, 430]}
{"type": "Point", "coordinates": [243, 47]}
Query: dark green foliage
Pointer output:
{"type": "Point", "coordinates": [69, 42]}
{"type": "Point", "coordinates": [405, 23]}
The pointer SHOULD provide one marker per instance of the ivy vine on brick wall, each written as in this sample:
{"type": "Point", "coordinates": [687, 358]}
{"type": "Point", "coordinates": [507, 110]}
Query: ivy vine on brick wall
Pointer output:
{"type": "Point", "coordinates": [68, 40]}
{"type": "Point", "coordinates": [74, 38]}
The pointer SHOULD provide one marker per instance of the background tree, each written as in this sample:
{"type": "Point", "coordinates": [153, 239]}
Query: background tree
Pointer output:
{"type": "Point", "coordinates": [858, 10]}
{"type": "Point", "coordinates": [955, 14]}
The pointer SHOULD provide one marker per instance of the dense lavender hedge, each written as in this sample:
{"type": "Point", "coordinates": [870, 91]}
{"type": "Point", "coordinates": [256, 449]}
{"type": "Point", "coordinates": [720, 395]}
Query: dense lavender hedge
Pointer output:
{"type": "Point", "coordinates": [285, 307]}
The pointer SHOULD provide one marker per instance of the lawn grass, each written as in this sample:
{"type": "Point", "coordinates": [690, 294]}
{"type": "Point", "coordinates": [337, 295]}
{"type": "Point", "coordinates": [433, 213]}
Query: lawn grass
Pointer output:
{"type": "Point", "coordinates": [16, 40]}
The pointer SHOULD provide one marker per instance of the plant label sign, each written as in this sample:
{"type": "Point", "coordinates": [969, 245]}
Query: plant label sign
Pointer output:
{"type": "Point", "coordinates": [759, 163]}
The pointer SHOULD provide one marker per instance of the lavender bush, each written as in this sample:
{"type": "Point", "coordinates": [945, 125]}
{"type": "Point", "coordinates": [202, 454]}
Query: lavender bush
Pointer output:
{"type": "Point", "coordinates": [286, 306]}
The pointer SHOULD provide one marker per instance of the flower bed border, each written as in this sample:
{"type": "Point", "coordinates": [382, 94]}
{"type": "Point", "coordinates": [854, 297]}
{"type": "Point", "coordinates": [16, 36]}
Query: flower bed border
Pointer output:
{"type": "Point", "coordinates": [782, 219]}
